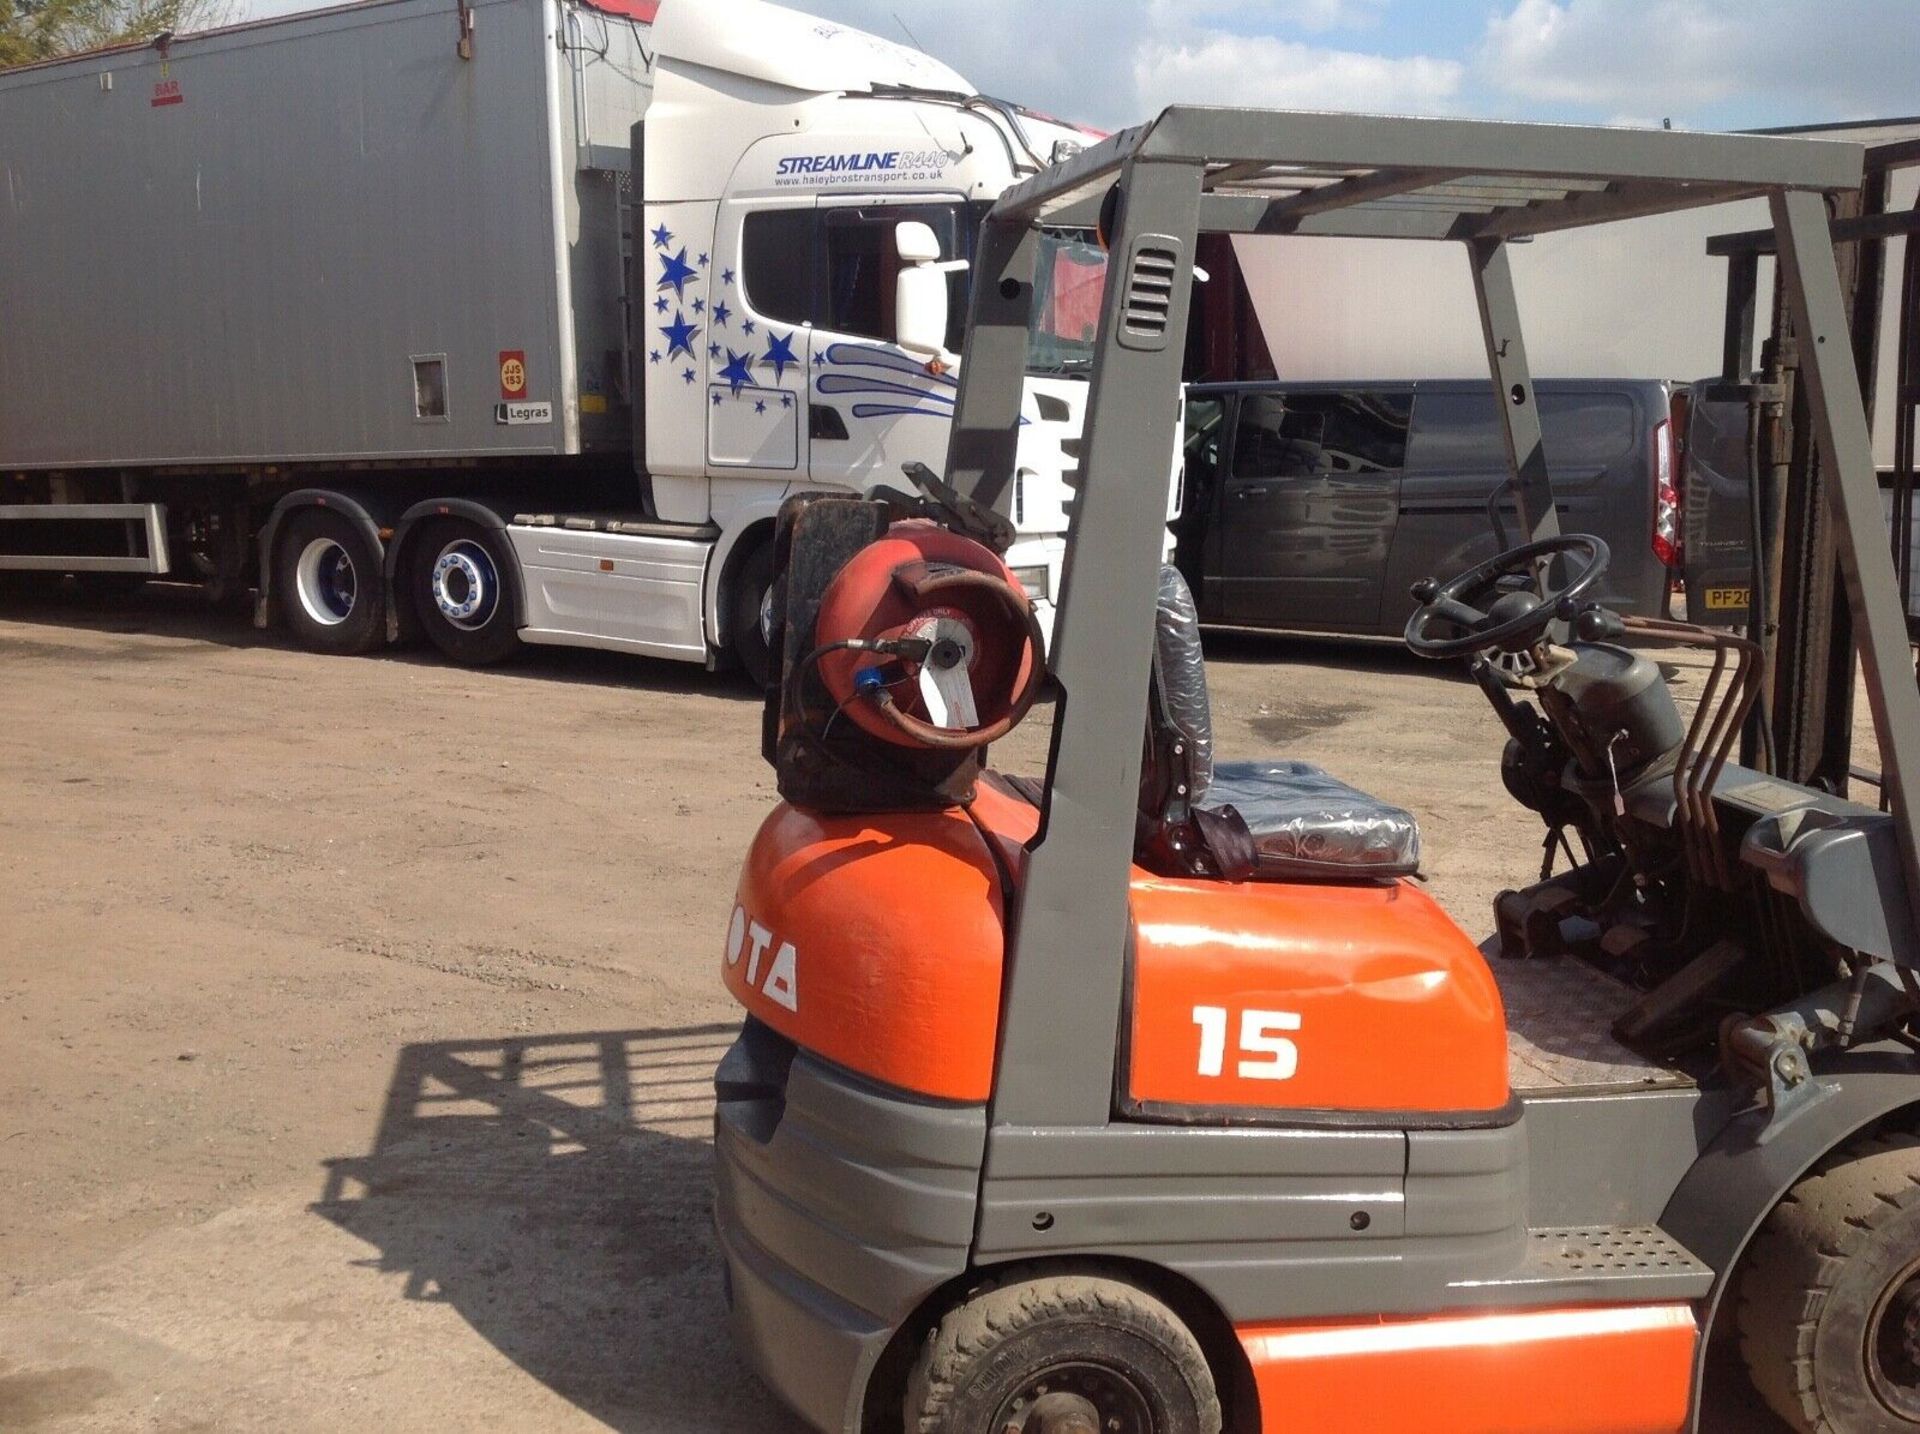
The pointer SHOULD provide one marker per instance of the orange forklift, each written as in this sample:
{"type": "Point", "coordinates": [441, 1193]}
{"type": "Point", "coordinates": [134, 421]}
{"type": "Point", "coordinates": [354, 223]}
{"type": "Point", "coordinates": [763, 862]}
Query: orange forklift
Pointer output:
{"type": "Point", "coordinates": [1154, 1095]}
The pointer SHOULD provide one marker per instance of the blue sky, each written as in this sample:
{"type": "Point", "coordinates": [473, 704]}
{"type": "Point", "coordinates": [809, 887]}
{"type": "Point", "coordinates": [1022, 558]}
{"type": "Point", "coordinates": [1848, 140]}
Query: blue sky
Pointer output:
{"type": "Point", "coordinates": [1705, 64]}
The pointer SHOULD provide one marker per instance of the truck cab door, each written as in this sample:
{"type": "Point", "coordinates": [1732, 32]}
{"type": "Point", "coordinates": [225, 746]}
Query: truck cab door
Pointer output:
{"type": "Point", "coordinates": [874, 405]}
{"type": "Point", "coordinates": [755, 340]}
{"type": "Point", "coordinates": [1308, 506]}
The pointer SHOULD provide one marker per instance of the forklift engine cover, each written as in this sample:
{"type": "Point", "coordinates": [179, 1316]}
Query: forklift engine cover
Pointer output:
{"type": "Point", "coordinates": [922, 582]}
{"type": "Point", "coordinates": [877, 941]}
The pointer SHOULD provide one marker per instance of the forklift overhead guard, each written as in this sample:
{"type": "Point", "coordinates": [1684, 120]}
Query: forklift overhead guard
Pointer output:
{"type": "Point", "coordinates": [1153, 1095]}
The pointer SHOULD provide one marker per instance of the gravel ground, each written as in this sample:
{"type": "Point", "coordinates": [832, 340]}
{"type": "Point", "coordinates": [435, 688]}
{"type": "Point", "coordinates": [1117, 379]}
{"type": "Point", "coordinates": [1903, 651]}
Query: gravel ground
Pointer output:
{"type": "Point", "coordinates": [356, 1014]}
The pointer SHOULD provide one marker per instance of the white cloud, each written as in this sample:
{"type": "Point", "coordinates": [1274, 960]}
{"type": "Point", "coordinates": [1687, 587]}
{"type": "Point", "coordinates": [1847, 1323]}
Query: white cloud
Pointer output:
{"type": "Point", "coordinates": [1846, 59]}
{"type": "Point", "coordinates": [1287, 74]}
{"type": "Point", "coordinates": [1111, 62]}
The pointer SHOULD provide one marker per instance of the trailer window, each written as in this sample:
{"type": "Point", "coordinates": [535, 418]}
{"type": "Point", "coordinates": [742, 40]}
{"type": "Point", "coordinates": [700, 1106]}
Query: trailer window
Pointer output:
{"type": "Point", "coordinates": [430, 387]}
{"type": "Point", "coordinates": [777, 264]}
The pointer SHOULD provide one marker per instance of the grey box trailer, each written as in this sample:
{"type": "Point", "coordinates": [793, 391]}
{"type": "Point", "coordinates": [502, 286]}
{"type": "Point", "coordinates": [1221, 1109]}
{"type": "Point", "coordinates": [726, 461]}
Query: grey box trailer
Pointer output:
{"type": "Point", "coordinates": [465, 316]}
{"type": "Point", "coordinates": [318, 240]}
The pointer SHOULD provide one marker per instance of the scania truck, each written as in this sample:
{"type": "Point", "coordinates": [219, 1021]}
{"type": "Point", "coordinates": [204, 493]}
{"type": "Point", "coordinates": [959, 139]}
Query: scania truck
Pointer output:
{"type": "Point", "coordinates": [505, 321]}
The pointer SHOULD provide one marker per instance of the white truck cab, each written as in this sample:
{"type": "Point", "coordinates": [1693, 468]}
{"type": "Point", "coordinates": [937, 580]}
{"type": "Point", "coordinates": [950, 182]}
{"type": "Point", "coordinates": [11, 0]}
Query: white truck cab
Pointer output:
{"type": "Point", "coordinates": [810, 200]}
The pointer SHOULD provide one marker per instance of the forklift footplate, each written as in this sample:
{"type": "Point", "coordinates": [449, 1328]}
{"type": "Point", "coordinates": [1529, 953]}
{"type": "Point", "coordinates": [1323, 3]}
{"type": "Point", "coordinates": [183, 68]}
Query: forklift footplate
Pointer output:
{"type": "Point", "coordinates": [1607, 1263]}
{"type": "Point", "coordinates": [1560, 1014]}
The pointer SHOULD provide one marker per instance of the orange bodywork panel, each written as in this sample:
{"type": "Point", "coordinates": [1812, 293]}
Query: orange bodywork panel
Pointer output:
{"type": "Point", "coordinates": [877, 941]}
{"type": "Point", "coordinates": [1282, 996]}
{"type": "Point", "coordinates": [1610, 1369]}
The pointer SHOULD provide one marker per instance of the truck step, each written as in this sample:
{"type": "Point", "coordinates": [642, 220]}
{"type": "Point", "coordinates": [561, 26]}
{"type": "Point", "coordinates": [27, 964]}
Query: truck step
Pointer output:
{"type": "Point", "coordinates": [83, 537]}
{"type": "Point", "coordinates": [630, 525]}
{"type": "Point", "coordinates": [1598, 1264]}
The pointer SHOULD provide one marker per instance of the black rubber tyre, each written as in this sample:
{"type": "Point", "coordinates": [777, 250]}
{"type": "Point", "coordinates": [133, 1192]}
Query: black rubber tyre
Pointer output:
{"type": "Point", "coordinates": [465, 588]}
{"type": "Point", "coordinates": [1829, 1314]}
{"type": "Point", "coordinates": [1062, 1353]}
{"type": "Point", "coordinates": [752, 579]}
{"type": "Point", "coordinates": [327, 581]}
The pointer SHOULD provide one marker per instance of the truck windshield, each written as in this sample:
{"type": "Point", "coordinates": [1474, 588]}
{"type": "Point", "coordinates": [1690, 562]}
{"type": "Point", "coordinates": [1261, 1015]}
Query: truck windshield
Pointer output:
{"type": "Point", "coordinates": [1070, 275]}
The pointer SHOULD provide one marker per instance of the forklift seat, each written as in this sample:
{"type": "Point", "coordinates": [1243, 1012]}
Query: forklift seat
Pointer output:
{"type": "Point", "coordinates": [1258, 821]}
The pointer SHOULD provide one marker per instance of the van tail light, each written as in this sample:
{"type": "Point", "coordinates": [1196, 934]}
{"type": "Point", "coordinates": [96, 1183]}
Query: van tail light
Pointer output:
{"type": "Point", "coordinates": [1666, 496]}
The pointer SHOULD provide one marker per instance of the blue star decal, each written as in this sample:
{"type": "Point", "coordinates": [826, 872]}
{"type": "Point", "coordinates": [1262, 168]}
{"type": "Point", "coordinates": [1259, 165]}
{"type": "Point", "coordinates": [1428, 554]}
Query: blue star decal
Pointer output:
{"type": "Point", "coordinates": [701, 261]}
{"type": "Point", "coordinates": [675, 272]}
{"type": "Point", "coordinates": [726, 276]}
{"type": "Point", "coordinates": [699, 306]}
{"type": "Point", "coordinates": [716, 400]}
{"type": "Point", "coordinates": [688, 375]}
{"type": "Point", "coordinates": [760, 405]}
{"type": "Point", "coordinates": [654, 357]}
{"type": "Point", "coordinates": [746, 327]}
{"type": "Point", "coordinates": [721, 313]}
{"type": "Point", "coordinates": [680, 335]}
{"type": "Point", "coordinates": [662, 237]}
{"type": "Point", "coordinates": [660, 304]}
{"type": "Point", "coordinates": [786, 400]}
{"type": "Point", "coordinates": [713, 351]}
{"type": "Point", "coordinates": [739, 370]}
{"type": "Point", "coordinates": [820, 360]}
{"type": "Point", "coordinates": [779, 354]}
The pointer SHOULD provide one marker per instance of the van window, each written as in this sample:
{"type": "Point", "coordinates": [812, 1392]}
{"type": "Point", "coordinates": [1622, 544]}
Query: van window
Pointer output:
{"type": "Point", "coordinates": [1461, 431]}
{"type": "Point", "coordinates": [1298, 435]}
{"type": "Point", "coordinates": [1586, 430]}
{"type": "Point", "coordinates": [777, 264]}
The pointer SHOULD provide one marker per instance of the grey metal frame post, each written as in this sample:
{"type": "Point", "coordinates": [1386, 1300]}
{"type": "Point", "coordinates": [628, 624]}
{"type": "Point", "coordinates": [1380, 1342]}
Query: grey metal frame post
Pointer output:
{"type": "Point", "coordinates": [982, 448]}
{"type": "Point", "coordinates": [1057, 1046]}
{"type": "Point", "coordinates": [1513, 388]}
{"type": "Point", "coordinates": [1846, 448]}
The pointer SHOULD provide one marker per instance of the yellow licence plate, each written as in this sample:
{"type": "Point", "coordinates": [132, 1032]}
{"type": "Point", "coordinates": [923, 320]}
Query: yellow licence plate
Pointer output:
{"type": "Point", "coordinates": [1727, 599]}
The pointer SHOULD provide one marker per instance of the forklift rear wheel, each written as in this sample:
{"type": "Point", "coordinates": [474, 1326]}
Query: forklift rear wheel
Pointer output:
{"type": "Point", "coordinates": [1830, 1304]}
{"type": "Point", "coordinates": [327, 578]}
{"type": "Point", "coordinates": [1065, 1354]}
{"type": "Point", "coordinates": [461, 574]}
{"type": "Point", "coordinates": [747, 616]}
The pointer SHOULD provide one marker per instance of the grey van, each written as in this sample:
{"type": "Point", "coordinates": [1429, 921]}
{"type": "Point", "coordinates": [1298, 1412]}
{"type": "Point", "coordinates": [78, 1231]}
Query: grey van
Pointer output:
{"type": "Point", "coordinates": [1316, 506]}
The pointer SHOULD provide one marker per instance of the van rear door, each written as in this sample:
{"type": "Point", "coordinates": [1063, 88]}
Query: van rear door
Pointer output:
{"type": "Point", "coordinates": [1307, 507]}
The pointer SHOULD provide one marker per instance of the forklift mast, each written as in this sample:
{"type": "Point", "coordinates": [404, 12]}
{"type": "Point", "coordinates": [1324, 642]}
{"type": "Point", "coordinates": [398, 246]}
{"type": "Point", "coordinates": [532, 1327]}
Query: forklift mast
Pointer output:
{"type": "Point", "coordinates": [1800, 615]}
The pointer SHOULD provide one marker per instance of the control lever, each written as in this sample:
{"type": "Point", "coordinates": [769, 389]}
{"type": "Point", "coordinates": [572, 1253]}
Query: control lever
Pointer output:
{"type": "Point", "coordinates": [1591, 623]}
{"type": "Point", "coordinates": [957, 511]}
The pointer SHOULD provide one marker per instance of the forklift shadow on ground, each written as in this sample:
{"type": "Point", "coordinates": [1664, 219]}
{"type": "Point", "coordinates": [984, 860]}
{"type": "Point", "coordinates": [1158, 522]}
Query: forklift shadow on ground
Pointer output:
{"type": "Point", "coordinates": [554, 1190]}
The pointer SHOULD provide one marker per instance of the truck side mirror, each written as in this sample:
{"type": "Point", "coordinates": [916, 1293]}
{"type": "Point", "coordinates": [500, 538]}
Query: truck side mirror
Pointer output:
{"type": "Point", "coordinates": [920, 291]}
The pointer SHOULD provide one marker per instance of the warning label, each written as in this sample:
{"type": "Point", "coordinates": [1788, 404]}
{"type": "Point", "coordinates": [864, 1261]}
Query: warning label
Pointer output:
{"type": "Point", "coordinates": [513, 374]}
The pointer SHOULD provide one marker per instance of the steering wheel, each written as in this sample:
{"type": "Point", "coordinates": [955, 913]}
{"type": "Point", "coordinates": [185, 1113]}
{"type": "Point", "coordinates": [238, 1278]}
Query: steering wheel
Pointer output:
{"type": "Point", "coordinates": [1490, 610]}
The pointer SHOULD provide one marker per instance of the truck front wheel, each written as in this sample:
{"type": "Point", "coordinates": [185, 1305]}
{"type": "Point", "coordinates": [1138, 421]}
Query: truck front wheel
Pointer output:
{"type": "Point", "coordinates": [327, 577]}
{"type": "Point", "coordinates": [746, 614]}
{"type": "Point", "coordinates": [462, 588]}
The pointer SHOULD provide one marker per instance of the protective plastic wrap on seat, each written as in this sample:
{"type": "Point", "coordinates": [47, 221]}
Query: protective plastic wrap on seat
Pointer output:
{"type": "Point", "coordinates": [1180, 672]}
{"type": "Point", "coordinates": [1307, 825]}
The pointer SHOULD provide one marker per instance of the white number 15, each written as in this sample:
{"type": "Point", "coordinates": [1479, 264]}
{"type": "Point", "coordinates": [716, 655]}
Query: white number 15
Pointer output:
{"type": "Point", "coordinates": [1264, 1053]}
